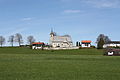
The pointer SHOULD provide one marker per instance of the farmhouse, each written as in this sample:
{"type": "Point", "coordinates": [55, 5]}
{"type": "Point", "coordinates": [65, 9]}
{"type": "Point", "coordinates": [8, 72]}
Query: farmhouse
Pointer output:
{"type": "Point", "coordinates": [112, 44]}
{"type": "Point", "coordinates": [64, 41]}
{"type": "Point", "coordinates": [85, 43]}
{"type": "Point", "coordinates": [37, 45]}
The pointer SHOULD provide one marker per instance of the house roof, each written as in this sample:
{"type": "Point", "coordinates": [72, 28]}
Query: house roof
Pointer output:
{"type": "Point", "coordinates": [86, 41]}
{"type": "Point", "coordinates": [38, 43]}
{"type": "Point", "coordinates": [65, 38]}
{"type": "Point", "coordinates": [113, 42]}
{"type": "Point", "coordinates": [112, 49]}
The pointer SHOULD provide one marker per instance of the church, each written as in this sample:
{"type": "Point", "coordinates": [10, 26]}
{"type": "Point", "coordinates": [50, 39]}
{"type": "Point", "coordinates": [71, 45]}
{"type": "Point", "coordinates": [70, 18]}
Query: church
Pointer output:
{"type": "Point", "coordinates": [64, 41]}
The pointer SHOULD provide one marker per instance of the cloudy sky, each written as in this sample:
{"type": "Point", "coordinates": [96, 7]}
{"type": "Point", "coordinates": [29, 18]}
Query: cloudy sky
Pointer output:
{"type": "Point", "coordinates": [82, 19]}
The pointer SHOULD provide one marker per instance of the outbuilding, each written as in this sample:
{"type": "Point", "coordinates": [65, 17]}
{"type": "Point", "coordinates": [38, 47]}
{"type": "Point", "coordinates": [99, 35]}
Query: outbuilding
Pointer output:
{"type": "Point", "coordinates": [85, 43]}
{"type": "Point", "coordinates": [37, 45]}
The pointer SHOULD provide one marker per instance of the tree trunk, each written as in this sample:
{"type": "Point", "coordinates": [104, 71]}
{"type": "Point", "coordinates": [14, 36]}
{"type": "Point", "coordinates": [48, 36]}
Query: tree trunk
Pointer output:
{"type": "Point", "coordinates": [1, 45]}
{"type": "Point", "coordinates": [12, 44]}
{"type": "Point", "coordinates": [19, 44]}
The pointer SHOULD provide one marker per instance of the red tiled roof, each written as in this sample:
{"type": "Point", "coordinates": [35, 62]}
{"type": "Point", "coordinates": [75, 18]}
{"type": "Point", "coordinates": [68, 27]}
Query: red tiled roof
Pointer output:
{"type": "Point", "coordinates": [86, 41]}
{"type": "Point", "coordinates": [38, 43]}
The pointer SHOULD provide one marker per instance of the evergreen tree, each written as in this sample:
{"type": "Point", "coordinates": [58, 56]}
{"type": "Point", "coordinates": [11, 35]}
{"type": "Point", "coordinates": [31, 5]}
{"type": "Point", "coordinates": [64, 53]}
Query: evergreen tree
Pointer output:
{"type": "Point", "coordinates": [101, 40]}
{"type": "Point", "coordinates": [100, 43]}
{"type": "Point", "coordinates": [77, 43]}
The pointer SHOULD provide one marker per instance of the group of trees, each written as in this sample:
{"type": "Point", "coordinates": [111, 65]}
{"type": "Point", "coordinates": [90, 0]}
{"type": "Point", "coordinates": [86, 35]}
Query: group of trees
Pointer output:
{"type": "Point", "coordinates": [78, 43]}
{"type": "Point", "coordinates": [101, 40]}
{"type": "Point", "coordinates": [17, 38]}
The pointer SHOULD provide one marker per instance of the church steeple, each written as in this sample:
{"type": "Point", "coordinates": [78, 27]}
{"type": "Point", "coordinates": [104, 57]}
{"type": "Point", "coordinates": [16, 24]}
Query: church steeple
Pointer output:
{"type": "Point", "coordinates": [51, 30]}
{"type": "Point", "coordinates": [52, 33]}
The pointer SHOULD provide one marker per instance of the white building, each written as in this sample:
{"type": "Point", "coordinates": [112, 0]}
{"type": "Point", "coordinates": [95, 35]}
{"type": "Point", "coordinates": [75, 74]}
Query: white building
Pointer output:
{"type": "Point", "coordinates": [112, 44]}
{"type": "Point", "coordinates": [37, 45]}
{"type": "Point", "coordinates": [86, 43]}
{"type": "Point", "coordinates": [60, 41]}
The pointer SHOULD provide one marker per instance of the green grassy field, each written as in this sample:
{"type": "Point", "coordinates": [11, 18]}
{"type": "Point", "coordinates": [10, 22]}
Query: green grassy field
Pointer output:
{"type": "Point", "coordinates": [83, 64]}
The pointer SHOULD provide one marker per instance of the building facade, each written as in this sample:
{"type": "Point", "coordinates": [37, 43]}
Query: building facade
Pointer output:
{"type": "Point", "coordinates": [85, 43]}
{"type": "Point", "coordinates": [37, 45]}
{"type": "Point", "coordinates": [112, 44]}
{"type": "Point", "coordinates": [64, 41]}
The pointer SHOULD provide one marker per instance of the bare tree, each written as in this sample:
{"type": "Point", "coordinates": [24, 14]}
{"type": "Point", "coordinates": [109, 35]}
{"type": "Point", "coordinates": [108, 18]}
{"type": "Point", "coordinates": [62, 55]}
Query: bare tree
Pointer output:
{"type": "Point", "coordinates": [18, 38]}
{"type": "Point", "coordinates": [11, 40]}
{"type": "Point", "coordinates": [2, 40]}
{"type": "Point", "coordinates": [30, 40]}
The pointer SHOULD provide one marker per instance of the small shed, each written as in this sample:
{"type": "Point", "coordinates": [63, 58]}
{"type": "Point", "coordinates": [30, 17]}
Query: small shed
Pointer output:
{"type": "Point", "coordinates": [86, 43]}
{"type": "Point", "coordinates": [112, 52]}
{"type": "Point", "coordinates": [37, 45]}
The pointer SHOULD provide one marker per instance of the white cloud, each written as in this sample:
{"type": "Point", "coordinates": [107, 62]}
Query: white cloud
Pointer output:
{"type": "Point", "coordinates": [71, 11]}
{"type": "Point", "coordinates": [26, 19]}
{"type": "Point", "coordinates": [96, 3]}
{"type": "Point", "coordinates": [103, 3]}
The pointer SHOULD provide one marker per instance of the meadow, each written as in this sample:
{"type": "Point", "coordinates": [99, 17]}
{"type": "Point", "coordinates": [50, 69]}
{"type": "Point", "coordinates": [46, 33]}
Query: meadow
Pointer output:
{"type": "Point", "coordinates": [82, 64]}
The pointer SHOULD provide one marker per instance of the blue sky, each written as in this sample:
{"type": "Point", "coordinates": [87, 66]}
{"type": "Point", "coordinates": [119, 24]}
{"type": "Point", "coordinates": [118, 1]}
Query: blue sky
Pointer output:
{"type": "Point", "coordinates": [82, 19]}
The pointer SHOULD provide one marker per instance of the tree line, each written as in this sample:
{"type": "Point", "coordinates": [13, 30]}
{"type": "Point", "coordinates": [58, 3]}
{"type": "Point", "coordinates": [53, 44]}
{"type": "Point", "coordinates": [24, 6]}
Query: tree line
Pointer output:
{"type": "Point", "coordinates": [17, 38]}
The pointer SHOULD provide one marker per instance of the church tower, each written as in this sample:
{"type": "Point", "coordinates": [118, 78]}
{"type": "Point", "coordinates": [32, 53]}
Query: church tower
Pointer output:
{"type": "Point", "coordinates": [52, 34]}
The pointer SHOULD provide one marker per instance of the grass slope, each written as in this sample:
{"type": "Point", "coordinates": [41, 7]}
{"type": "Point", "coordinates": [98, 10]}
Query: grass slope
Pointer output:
{"type": "Point", "coordinates": [83, 64]}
